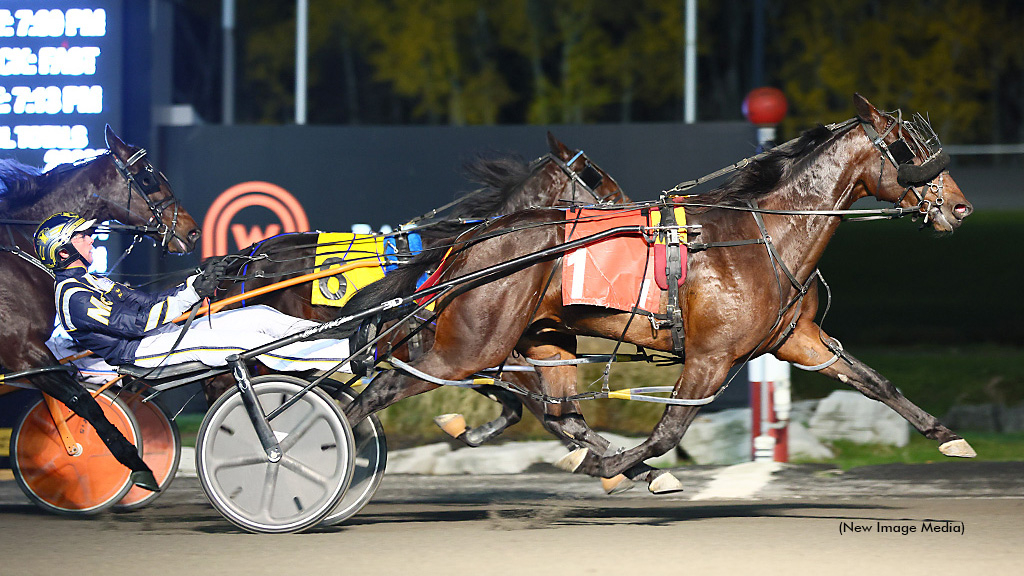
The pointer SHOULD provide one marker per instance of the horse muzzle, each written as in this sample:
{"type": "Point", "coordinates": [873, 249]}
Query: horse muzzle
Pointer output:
{"type": "Point", "coordinates": [946, 218]}
{"type": "Point", "coordinates": [183, 245]}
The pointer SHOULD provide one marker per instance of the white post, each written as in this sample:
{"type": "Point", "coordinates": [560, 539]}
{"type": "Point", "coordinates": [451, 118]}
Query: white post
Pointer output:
{"type": "Point", "coordinates": [301, 41]}
{"type": "Point", "coordinates": [227, 96]}
{"type": "Point", "coordinates": [690, 87]}
{"type": "Point", "coordinates": [771, 377]}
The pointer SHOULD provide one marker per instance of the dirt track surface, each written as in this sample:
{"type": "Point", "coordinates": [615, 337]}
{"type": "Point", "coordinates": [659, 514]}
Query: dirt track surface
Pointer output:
{"type": "Point", "coordinates": [805, 519]}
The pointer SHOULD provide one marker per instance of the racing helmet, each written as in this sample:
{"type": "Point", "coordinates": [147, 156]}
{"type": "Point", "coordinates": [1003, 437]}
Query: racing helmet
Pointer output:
{"type": "Point", "coordinates": [55, 234]}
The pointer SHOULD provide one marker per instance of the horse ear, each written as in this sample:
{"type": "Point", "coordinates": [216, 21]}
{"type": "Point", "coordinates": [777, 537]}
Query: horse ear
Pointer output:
{"type": "Point", "coordinates": [864, 108]}
{"type": "Point", "coordinates": [557, 148]}
{"type": "Point", "coordinates": [113, 142]}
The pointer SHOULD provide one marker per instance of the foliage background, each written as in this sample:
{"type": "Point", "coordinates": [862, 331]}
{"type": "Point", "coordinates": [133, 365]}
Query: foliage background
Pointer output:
{"type": "Point", "coordinates": [466, 62]}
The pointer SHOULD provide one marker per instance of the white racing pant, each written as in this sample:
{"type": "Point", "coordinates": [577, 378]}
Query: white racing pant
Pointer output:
{"type": "Point", "coordinates": [212, 339]}
{"type": "Point", "coordinates": [91, 369]}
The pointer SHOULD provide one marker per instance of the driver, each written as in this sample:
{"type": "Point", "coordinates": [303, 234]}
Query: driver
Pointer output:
{"type": "Point", "coordinates": [127, 326]}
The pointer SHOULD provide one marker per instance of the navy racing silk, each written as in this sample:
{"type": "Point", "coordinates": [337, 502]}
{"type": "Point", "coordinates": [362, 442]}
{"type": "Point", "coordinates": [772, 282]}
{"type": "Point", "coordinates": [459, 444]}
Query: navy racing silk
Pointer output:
{"type": "Point", "coordinates": [110, 318]}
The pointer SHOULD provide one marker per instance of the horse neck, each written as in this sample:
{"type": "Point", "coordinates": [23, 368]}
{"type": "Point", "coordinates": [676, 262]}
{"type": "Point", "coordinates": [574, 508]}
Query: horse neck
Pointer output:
{"type": "Point", "coordinates": [81, 190]}
{"type": "Point", "coordinates": [829, 181]}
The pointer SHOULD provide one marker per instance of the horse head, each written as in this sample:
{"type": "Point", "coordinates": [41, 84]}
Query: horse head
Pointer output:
{"type": "Point", "coordinates": [583, 173]}
{"type": "Point", "coordinates": [913, 167]}
{"type": "Point", "coordinates": [154, 202]}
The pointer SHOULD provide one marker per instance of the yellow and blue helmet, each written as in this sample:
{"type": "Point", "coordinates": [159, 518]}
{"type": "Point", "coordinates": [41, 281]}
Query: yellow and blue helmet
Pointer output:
{"type": "Point", "coordinates": [55, 234]}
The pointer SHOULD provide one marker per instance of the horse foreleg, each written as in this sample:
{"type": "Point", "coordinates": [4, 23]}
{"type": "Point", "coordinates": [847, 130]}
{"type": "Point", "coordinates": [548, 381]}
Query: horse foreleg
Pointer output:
{"type": "Point", "coordinates": [566, 421]}
{"type": "Point", "coordinates": [805, 347]}
{"type": "Point", "coordinates": [665, 436]}
{"type": "Point", "coordinates": [698, 380]}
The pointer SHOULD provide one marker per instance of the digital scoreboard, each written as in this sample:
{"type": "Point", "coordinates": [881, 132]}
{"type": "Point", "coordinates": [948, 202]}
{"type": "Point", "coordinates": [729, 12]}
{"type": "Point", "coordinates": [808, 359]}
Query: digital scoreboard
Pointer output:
{"type": "Point", "coordinates": [60, 78]}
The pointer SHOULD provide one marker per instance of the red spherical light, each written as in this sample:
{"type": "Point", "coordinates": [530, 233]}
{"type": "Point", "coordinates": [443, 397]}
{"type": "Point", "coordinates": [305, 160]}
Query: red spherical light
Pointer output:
{"type": "Point", "coordinates": [765, 105]}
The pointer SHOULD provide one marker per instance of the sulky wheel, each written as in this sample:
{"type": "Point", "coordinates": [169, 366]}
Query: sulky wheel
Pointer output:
{"type": "Point", "coordinates": [86, 483]}
{"type": "Point", "coordinates": [292, 494]}
{"type": "Point", "coordinates": [371, 457]}
{"type": "Point", "coordinates": [162, 451]}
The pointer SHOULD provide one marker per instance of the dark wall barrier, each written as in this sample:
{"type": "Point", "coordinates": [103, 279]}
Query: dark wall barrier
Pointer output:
{"type": "Point", "coordinates": [388, 175]}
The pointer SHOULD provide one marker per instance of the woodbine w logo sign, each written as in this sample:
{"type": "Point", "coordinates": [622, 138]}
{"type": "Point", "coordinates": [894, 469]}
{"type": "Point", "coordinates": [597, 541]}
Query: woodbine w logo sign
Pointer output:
{"type": "Point", "coordinates": [221, 234]}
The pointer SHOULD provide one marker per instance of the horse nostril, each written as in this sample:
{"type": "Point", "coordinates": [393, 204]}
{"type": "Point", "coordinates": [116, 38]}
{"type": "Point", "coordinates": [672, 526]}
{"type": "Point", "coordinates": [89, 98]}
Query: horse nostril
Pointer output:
{"type": "Point", "coordinates": [194, 234]}
{"type": "Point", "coordinates": [963, 210]}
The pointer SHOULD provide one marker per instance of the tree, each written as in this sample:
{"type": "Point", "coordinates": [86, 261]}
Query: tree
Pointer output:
{"type": "Point", "coordinates": [938, 56]}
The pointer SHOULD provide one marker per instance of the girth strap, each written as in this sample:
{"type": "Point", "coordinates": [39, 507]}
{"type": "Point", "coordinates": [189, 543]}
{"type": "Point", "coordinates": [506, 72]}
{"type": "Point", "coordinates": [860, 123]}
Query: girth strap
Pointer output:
{"type": "Point", "coordinates": [773, 254]}
{"type": "Point", "coordinates": [673, 272]}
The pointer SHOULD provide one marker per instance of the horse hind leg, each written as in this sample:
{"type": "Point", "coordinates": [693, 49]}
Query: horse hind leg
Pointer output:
{"type": "Point", "coordinates": [511, 413]}
{"type": "Point", "coordinates": [804, 347]}
{"type": "Point", "coordinates": [383, 391]}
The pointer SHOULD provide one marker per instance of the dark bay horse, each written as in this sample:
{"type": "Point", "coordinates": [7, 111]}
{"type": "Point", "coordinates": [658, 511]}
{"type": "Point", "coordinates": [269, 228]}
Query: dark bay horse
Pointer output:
{"type": "Point", "coordinates": [741, 299]}
{"type": "Point", "coordinates": [119, 185]}
{"type": "Point", "coordinates": [563, 177]}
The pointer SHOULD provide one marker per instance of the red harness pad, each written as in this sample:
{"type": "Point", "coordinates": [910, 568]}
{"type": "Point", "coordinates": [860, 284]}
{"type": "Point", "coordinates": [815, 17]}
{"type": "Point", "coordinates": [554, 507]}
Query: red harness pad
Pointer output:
{"type": "Point", "coordinates": [660, 275]}
{"type": "Point", "coordinates": [609, 273]}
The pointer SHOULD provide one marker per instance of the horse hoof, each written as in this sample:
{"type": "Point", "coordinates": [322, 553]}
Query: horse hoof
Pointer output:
{"type": "Point", "coordinates": [571, 461]}
{"type": "Point", "coordinates": [958, 448]}
{"type": "Point", "coordinates": [452, 424]}
{"type": "Point", "coordinates": [616, 484]}
{"type": "Point", "coordinates": [665, 483]}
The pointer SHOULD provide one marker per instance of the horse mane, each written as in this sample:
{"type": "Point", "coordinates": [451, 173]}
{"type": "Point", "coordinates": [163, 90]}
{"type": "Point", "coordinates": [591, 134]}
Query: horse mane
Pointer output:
{"type": "Point", "coordinates": [761, 176]}
{"type": "Point", "coordinates": [19, 185]}
{"type": "Point", "coordinates": [502, 178]}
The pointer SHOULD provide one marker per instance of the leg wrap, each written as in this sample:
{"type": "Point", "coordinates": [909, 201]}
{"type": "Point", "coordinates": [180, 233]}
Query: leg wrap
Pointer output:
{"type": "Point", "coordinates": [77, 398]}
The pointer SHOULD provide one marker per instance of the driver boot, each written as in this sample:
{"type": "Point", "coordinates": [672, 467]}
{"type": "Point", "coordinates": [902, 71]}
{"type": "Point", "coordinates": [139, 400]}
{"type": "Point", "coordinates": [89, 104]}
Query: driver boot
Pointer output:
{"type": "Point", "coordinates": [144, 479]}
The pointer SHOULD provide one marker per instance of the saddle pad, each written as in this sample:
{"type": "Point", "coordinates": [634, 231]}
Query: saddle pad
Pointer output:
{"type": "Point", "coordinates": [336, 248]}
{"type": "Point", "coordinates": [609, 273]}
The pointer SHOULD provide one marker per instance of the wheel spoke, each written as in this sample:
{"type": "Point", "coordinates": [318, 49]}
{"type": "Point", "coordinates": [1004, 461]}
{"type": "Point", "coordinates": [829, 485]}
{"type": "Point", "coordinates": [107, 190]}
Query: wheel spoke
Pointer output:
{"type": "Point", "coordinates": [364, 442]}
{"type": "Point", "coordinates": [237, 462]}
{"type": "Point", "coordinates": [299, 430]}
{"type": "Point", "coordinates": [269, 487]}
{"type": "Point", "coordinates": [304, 471]}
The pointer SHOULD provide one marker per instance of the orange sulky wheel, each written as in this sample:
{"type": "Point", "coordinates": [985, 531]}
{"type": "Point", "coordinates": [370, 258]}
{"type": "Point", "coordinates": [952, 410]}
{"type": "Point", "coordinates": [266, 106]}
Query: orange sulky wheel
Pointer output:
{"type": "Point", "coordinates": [162, 451]}
{"type": "Point", "coordinates": [86, 483]}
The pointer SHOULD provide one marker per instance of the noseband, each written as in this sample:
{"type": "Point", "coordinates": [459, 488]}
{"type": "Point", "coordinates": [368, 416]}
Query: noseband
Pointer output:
{"type": "Point", "coordinates": [148, 181]}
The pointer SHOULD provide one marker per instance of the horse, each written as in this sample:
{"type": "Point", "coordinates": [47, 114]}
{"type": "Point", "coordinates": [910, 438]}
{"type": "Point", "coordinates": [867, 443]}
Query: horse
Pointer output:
{"type": "Point", "coordinates": [751, 291]}
{"type": "Point", "coordinates": [120, 184]}
{"type": "Point", "coordinates": [564, 176]}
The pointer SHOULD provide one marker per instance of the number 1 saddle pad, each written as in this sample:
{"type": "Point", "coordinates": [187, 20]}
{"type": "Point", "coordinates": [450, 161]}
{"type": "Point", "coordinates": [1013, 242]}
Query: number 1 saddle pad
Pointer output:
{"type": "Point", "coordinates": [617, 272]}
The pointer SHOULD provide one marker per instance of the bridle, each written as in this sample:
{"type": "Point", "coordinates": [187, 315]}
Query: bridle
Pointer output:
{"type": "Point", "coordinates": [147, 181]}
{"type": "Point", "coordinates": [590, 178]}
{"type": "Point", "coordinates": [899, 153]}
